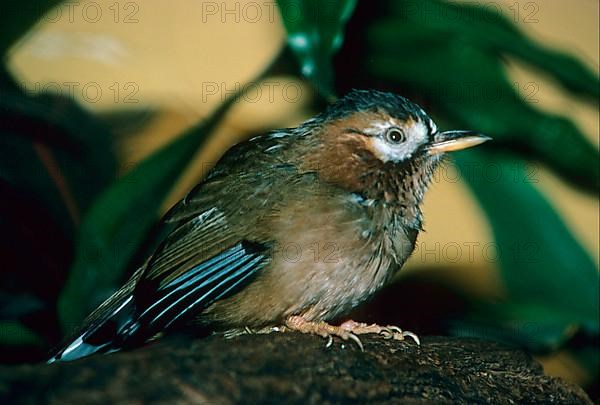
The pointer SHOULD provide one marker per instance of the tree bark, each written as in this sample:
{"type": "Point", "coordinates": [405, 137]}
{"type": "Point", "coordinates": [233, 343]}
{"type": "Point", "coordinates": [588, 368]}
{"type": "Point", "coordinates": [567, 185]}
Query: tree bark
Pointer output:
{"type": "Point", "coordinates": [293, 368]}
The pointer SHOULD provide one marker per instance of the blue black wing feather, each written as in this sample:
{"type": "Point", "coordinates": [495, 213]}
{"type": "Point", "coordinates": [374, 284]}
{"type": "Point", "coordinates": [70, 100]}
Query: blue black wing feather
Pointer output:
{"type": "Point", "coordinates": [125, 321]}
{"type": "Point", "coordinates": [205, 283]}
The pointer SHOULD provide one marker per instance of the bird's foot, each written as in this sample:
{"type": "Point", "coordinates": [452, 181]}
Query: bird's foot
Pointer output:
{"type": "Point", "coordinates": [323, 329]}
{"type": "Point", "coordinates": [387, 332]}
{"type": "Point", "coordinates": [348, 330]}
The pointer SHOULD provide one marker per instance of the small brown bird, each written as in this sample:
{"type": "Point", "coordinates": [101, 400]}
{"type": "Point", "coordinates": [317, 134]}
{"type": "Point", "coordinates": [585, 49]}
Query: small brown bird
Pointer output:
{"type": "Point", "coordinates": [289, 230]}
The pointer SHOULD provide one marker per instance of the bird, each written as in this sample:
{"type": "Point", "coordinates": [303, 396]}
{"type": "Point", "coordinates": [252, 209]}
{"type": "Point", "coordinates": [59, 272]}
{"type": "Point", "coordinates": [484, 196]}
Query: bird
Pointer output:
{"type": "Point", "coordinates": [289, 231]}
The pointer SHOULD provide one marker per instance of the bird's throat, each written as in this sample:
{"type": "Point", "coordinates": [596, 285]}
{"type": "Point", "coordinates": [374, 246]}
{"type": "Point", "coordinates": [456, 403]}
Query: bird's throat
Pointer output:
{"type": "Point", "coordinates": [401, 187]}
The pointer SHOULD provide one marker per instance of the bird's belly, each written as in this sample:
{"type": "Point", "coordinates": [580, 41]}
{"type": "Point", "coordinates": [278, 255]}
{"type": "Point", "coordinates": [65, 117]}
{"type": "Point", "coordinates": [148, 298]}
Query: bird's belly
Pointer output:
{"type": "Point", "coordinates": [317, 280]}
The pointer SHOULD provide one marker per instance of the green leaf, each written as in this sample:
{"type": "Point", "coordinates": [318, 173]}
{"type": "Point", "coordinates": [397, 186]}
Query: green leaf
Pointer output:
{"type": "Point", "coordinates": [542, 265]}
{"type": "Point", "coordinates": [315, 32]}
{"type": "Point", "coordinates": [16, 334]}
{"type": "Point", "coordinates": [486, 28]}
{"type": "Point", "coordinates": [535, 326]}
{"type": "Point", "coordinates": [17, 17]}
{"type": "Point", "coordinates": [536, 336]}
{"type": "Point", "coordinates": [119, 220]}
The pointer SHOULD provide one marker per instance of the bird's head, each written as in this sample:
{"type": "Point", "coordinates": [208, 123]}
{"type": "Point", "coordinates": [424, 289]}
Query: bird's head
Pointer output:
{"type": "Point", "coordinates": [382, 146]}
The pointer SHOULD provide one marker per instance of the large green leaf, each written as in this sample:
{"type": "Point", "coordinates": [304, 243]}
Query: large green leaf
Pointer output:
{"type": "Point", "coordinates": [542, 265]}
{"type": "Point", "coordinates": [488, 29]}
{"type": "Point", "coordinates": [315, 32]}
{"type": "Point", "coordinates": [537, 326]}
{"type": "Point", "coordinates": [119, 220]}
{"type": "Point", "coordinates": [17, 17]}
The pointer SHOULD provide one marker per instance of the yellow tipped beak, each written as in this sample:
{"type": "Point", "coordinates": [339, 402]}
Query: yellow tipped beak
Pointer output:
{"type": "Point", "coordinates": [450, 141]}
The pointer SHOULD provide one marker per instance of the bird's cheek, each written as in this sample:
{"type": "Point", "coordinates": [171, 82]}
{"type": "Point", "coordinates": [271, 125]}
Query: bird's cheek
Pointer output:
{"type": "Point", "coordinates": [386, 152]}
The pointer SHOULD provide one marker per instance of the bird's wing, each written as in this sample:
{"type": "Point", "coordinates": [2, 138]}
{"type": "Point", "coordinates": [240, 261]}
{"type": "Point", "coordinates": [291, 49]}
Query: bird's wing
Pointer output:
{"type": "Point", "coordinates": [164, 300]}
{"type": "Point", "coordinates": [221, 236]}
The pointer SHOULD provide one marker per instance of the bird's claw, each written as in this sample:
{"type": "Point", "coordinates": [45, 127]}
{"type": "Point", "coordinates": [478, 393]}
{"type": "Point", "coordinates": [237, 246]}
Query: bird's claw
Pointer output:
{"type": "Point", "coordinates": [356, 340]}
{"type": "Point", "coordinates": [329, 342]}
{"type": "Point", "coordinates": [395, 333]}
{"type": "Point", "coordinates": [323, 329]}
{"type": "Point", "coordinates": [413, 336]}
{"type": "Point", "coordinates": [387, 332]}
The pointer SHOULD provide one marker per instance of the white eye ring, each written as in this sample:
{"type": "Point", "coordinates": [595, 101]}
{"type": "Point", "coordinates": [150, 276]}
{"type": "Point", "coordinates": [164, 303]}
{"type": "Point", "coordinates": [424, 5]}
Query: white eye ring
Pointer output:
{"type": "Point", "coordinates": [395, 135]}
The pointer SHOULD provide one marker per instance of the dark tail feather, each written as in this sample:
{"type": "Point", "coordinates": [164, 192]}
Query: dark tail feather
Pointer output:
{"type": "Point", "coordinates": [110, 328]}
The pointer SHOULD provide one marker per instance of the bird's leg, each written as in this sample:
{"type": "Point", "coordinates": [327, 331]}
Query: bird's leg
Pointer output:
{"type": "Point", "coordinates": [388, 332]}
{"type": "Point", "coordinates": [323, 329]}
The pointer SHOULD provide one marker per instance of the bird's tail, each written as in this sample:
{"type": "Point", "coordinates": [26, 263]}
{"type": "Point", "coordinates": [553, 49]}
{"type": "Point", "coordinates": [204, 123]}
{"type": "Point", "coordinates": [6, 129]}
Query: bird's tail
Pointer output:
{"type": "Point", "coordinates": [111, 327]}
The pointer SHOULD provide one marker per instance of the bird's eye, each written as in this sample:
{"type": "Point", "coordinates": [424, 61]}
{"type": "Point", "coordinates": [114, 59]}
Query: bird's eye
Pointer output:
{"type": "Point", "coordinates": [395, 135]}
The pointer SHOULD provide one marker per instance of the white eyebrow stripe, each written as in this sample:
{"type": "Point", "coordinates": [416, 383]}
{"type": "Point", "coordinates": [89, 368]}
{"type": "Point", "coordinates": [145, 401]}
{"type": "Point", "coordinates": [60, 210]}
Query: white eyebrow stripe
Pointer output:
{"type": "Point", "coordinates": [378, 127]}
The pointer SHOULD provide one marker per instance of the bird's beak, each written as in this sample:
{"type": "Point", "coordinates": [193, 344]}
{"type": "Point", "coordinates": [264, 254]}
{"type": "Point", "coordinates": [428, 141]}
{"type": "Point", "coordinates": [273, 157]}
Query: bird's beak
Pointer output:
{"type": "Point", "coordinates": [450, 141]}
